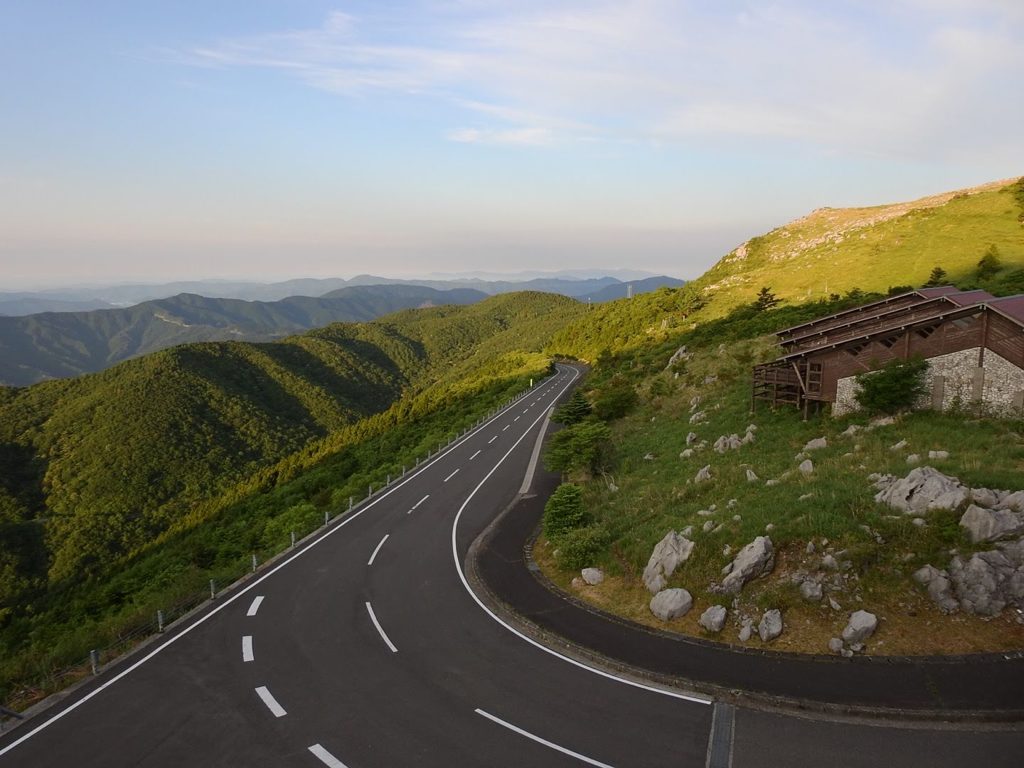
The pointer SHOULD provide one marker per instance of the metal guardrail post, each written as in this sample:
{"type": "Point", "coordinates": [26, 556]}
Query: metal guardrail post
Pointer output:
{"type": "Point", "coordinates": [350, 502]}
{"type": "Point", "coordinates": [213, 590]}
{"type": "Point", "coordinates": [327, 517]}
{"type": "Point", "coordinates": [293, 538]}
{"type": "Point", "coordinates": [254, 562]}
{"type": "Point", "coordinates": [94, 661]}
{"type": "Point", "coordinates": [159, 621]}
{"type": "Point", "coordinates": [389, 479]}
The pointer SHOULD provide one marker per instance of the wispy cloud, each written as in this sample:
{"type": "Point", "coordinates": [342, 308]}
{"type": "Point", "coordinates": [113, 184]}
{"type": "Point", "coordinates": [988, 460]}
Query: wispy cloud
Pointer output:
{"type": "Point", "coordinates": [903, 78]}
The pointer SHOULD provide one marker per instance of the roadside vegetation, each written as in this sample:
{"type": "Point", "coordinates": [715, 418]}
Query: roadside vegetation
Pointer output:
{"type": "Point", "coordinates": [634, 483]}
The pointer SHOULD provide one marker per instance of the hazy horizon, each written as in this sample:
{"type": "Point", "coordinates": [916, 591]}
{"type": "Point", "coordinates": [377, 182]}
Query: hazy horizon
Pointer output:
{"type": "Point", "coordinates": [158, 141]}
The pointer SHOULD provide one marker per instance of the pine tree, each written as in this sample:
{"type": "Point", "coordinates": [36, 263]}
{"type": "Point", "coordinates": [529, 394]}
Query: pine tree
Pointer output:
{"type": "Point", "coordinates": [765, 299]}
{"type": "Point", "coordinates": [575, 410]}
{"type": "Point", "coordinates": [936, 278]}
{"type": "Point", "coordinates": [989, 264]}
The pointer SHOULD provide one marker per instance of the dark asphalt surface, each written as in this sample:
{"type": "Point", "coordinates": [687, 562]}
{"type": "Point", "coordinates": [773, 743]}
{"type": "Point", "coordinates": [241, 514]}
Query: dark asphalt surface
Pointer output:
{"type": "Point", "coordinates": [460, 689]}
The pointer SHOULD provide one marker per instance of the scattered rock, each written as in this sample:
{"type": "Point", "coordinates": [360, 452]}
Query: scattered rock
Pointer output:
{"type": "Point", "coordinates": [989, 581]}
{"type": "Point", "coordinates": [923, 489]}
{"type": "Point", "coordinates": [703, 475]}
{"type": "Point", "coordinates": [938, 455]}
{"type": "Point", "coordinates": [686, 453]}
{"type": "Point", "coordinates": [748, 438]}
{"type": "Point", "coordinates": [816, 444]}
{"type": "Point", "coordinates": [769, 528]}
{"type": "Point", "coordinates": [805, 497]}
{"type": "Point", "coordinates": [989, 525]}
{"type": "Point", "coordinates": [755, 559]}
{"type": "Point", "coordinates": [665, 558]}
{"type": "Point", "coordinates": [731, 504]}
{"type": "Point", "coordinates": [771, 481]}
{"type": "Point", "coordinates": [699, 417]}
{"type": "Point", "coordinates": [806, 466]}
{"type": "Point", "coordinates": [680, 355]}
{"type": "Point", "coordinates": [828, 563]}
{"type": "Point", "coordinates": [593, 576]}
{"type": "Point", "coordinates": [810, 547]}
{"type": "Point", "coordinates": [727, 443]}
{"type": "Point", "coordinates": [671, 604]}
{"type": "Point", "coordinates": [648, 457]}
{"type": "Point", "coordinates": [860, 627]}
{"type": "Point", "coordinates": [746, 630]}
{"type": "Point", "coordinates": [913, 459]}
{"type": "Point", "coordinates": [726, 551]}
{"type": "Point", "coordinates": [705, 512]}
{"type": "Point", "coordinates": [710, 379]}
{"type": "Point", "coordinates": [687, 531]}
{"type": "Point", "coordinates": [833, 604]}
{"type": "Point", "coordinates": [694, 402]}
{"type": "Point", "coordinates": [751, 476]}
{"type": "Point", "coordinates": [737, 518]}
{"type": "Point", "coordinates": [846, 653]}
{"type": "Point", "coordinates": [810, 591]}
{"type": "Point", "coordinates": [770, 626]}
{"type": "Point", "coordinates": [713, 619]}
{"type": "Point", "coordinates": [919, 522]}
{"type": "Point", "coordinates": [835, 645]}
{"type": "Point", "coordinates": [985, 497]}
{"type": "Point", "coordinates": [881, 421]}
{"type": "Point", "coordinates": [851, 430]}
{"type": "Point", "coordinates": [708, 525]}
{"type": "Point", "coordinates": [898, 446]}
{"type": "Point", "coordinates": [1014, 501]}
{"type": "Point", "coordinates": [577, 582]}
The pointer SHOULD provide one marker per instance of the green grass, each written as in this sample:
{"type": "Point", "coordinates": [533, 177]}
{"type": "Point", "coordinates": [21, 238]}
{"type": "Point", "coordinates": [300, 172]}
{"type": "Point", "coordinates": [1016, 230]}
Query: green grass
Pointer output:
{"type": "Point", "coordinates": [658, 494]}
{"type": "Point", "coordinates": [876, 247]}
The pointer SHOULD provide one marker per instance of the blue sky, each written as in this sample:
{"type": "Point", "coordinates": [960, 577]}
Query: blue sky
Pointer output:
{"type": "Point", "coordinates": [158, 140]}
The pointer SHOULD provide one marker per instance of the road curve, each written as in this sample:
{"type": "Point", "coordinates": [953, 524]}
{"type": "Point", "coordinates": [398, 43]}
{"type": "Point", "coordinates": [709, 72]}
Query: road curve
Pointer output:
{"type": "Point", "coordinates": [366, 648]}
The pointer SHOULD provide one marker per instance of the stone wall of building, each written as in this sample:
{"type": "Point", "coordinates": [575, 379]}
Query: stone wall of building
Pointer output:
{"type": "Point", "coordinates": [956, 381]}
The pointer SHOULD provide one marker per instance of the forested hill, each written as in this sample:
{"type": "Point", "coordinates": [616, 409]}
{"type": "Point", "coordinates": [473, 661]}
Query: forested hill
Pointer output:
{"type": "Point", "coordinates": [52, 345]}
{"type": "Point", "coordinates": [108, 461]}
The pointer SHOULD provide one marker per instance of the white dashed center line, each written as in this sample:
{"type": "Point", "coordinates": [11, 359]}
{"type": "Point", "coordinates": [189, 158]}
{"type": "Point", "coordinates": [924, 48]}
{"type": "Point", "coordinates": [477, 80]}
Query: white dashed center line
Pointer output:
{"type": "Point", "coordinates": [384, 637]}
{"type": "Point", "coordinates": [453, 474]}
{"type": "Point", "coordinates": [255, 605]}
{"type": "Point", "coordinates": [247, 648]}
{"type": "Point", "coordinates": [474, 455]}
{"type": "Point", "coordinates": [326, 757]}
{"type": "Point", "coordinates": [492, 439]}
{"type": "Point", "coordinates": [275, 709]}
{"type": "Point", "coordinates": [506, 427]}
{"type": "Point", "coordinates": [374, 555]}
{"type": "Point", "coordinates": [417, 504]}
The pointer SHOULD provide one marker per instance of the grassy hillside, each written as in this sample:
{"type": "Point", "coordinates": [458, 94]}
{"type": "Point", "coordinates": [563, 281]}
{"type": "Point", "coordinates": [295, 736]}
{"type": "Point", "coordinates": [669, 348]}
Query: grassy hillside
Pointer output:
{"type": "Point", "coordinates": [104, 463]}
{"type": "Point", "coordinates": [638, 484]}
{"type": "Point", "coordinates": [55, 345]}
{"type": "Point", "coordinates": [834, 250]}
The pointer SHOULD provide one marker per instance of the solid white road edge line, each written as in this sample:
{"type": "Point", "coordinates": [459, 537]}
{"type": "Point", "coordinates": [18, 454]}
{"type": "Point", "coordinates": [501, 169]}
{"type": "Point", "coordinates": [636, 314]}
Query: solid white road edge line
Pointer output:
{"type": "Point", "coordinates": [513, 630]}
{"type": "Point", "coordinates": [245, 590]}
{"type": "Point", "coordinates": [256, 602]}
{"type": "Point", "coordinates": [275, 709]}
{"type": "Point", "coordinates": [539, 740]}
{"type": "Point", "coordinates": [326, 757]}
{"type": "Point", "coordinates": [374, 555]}
{"type": "Point", "coordinates": [373, 618]}
{"type": "Point", "coordinates": [247, 648]}
{"type": "Point", "coordinates": [453, 474]}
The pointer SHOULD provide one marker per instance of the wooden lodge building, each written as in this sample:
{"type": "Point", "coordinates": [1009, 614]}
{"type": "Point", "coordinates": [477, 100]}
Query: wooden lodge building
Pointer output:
{"type": "Point", "coordinates": [973, 341]}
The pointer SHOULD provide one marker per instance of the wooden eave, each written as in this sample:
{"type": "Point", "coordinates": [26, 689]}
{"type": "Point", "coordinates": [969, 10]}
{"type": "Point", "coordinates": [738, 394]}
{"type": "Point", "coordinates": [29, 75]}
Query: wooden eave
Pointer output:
{"type": "Point", "coordinates": [939, 300]}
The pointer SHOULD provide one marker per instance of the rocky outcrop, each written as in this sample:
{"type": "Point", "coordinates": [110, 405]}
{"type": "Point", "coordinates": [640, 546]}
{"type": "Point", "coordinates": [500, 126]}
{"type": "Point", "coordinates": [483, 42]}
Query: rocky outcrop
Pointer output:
{"type": "Point", "coordinates": [922, 490]}
{"type": "Point", "coordinates": [713, 619]}
{"type": "Point", "coordinates": [665, 558]}
{"type": "Point", "coordinates": [806, 466]}
{"type": "Point", "coordinates": [983, 584]}
{"type": "Point", "coordinates": [593, 576]}
{"type": "Point", "coordinates": [755, 559]}
{"type": "Point", "coordinates": [989, 525]}
{"type": "Point", "coordinates": [703, 474]}
{"type": "Point", "coordinates": [816, 444]}
{"type": "Point", "coordinates": [671, 603]}
{"type": "Point", "coordinates": [679, 356]}
{"type": "Point", "coordinates": [727, 443]}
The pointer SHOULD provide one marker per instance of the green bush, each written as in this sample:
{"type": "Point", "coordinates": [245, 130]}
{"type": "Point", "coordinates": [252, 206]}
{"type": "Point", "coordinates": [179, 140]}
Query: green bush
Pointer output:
{"type": "Point", "coordinates": [581, 446]}
{"type": "Point", "coordinates": [894, 387]}
{"type": "Point", "coordinates": [615, 402]}
{"type": "Point", "coordinates": [564, 512]}
{"type": "Point", "coordinates": [581, 547]}
{"type": "Point", "coordinates": [575, 410]}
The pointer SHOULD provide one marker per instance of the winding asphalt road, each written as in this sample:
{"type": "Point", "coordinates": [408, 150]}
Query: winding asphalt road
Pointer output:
{"type": "Point", "coordinates": [367, 648]}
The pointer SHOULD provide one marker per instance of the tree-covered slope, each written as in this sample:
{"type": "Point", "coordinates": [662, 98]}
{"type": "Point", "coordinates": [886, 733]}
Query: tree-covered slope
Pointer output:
{"type": "Point", "coordinates": [106, 462]}
{"type": "Point", "coordinates": [60, 344]}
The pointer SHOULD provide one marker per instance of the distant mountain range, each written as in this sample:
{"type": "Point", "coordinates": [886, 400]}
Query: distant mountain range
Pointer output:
{"type": "Point", "coordinates": [85, 298]}
{"type": "Point", "coordinates": [58, 344]}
